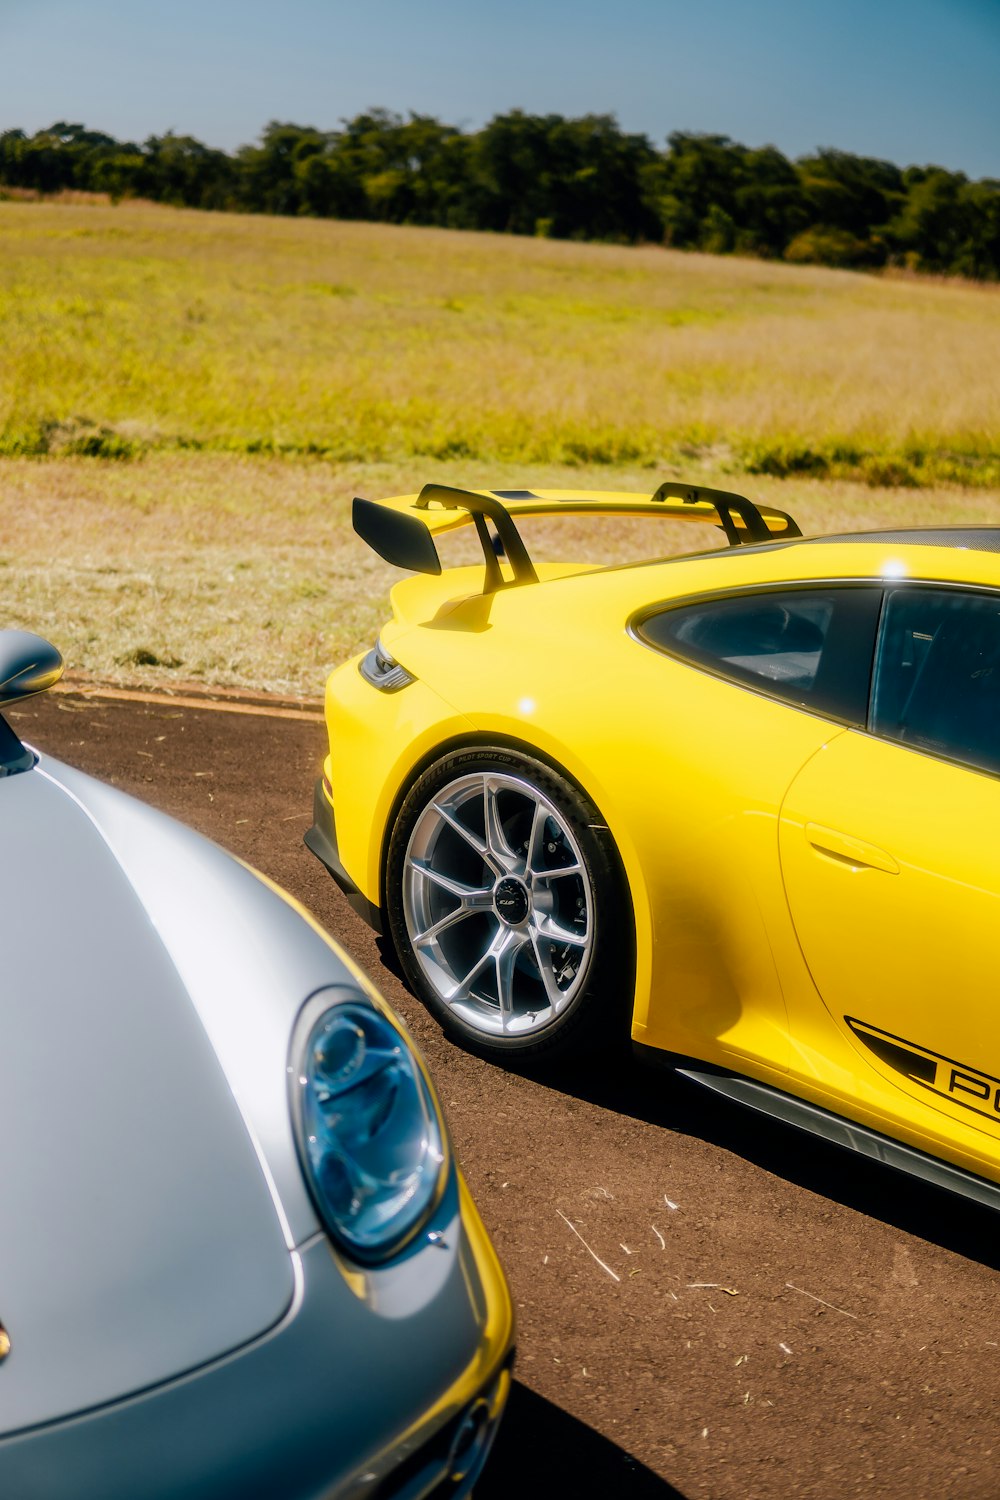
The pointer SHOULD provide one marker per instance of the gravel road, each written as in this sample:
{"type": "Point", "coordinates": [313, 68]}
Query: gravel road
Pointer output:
{"type": "Point", "coordinates": [708, 1304]}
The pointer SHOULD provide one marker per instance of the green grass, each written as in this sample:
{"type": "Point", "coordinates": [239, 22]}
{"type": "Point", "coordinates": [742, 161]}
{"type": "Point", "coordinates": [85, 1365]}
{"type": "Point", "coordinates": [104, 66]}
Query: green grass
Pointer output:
{"type": "Point", "coordinates": [189, 401]}
{"type": "Point", "coordinates": [136, 328]}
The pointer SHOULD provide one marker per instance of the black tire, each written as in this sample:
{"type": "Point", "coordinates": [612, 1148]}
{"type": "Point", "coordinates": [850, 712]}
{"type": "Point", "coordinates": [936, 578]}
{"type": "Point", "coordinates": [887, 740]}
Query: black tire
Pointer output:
{"type": "Point", "coordinates": [500, 866]}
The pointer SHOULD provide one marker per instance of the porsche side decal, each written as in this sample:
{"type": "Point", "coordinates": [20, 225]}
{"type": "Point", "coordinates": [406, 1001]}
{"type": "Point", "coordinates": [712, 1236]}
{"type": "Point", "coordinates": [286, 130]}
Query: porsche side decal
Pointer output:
{"type": "Point", "coordinates": [944, 1076]}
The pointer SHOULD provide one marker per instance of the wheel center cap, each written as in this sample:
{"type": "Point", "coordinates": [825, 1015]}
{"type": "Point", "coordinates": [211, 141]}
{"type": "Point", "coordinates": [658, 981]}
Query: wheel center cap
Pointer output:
{"type": "Point", "coordinates": [510, 901]}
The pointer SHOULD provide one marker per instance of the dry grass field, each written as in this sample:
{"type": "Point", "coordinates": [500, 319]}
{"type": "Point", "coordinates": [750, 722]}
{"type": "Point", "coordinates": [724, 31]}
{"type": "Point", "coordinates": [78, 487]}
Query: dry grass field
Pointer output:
{"type": "Point", "coordinates": [189, 401]}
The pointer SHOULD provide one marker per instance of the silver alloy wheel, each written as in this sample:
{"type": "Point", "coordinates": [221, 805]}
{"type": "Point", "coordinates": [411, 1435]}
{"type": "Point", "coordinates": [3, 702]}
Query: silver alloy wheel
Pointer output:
{"type": "Point", "coordinates": [498, 904]}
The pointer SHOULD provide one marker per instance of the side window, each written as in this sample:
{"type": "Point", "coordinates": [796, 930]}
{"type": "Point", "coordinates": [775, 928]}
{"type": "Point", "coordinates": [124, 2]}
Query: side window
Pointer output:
{"type": "Point", "coordinates": [937, 677]}
{"type": "Point", "coordinates": [809, 646]}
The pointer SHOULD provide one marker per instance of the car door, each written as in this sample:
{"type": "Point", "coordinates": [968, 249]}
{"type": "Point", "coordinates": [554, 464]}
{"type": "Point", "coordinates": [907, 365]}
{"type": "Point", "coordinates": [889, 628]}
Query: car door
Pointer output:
{"type": "Point", "coordinates": [890, 853]}
{"type": "Point", "coordinates": [777, 672]}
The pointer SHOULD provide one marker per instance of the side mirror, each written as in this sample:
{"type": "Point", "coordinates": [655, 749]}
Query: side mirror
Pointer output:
{"type": "Point", "coordinates": [28, 664]}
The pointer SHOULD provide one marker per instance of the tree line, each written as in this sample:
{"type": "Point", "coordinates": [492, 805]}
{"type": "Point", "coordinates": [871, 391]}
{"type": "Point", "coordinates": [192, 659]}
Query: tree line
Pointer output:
{"type": "Point", "coordinates": [547, 175]}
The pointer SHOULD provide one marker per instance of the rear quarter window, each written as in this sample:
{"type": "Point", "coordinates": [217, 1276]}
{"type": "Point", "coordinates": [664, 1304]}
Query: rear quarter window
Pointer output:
{"type": "Point", "coordinates": [812, 647]}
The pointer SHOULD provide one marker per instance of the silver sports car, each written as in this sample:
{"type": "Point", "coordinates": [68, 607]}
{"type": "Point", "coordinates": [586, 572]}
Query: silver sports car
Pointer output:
{"type": "Point", "coordinates": [236, 1255]}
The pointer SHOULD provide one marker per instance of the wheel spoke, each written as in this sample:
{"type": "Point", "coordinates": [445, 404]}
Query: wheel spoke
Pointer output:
{"type": "Point", "coordinates": [555, 932]}
{"type": "Point", "coordinates": [498, 847]}
{"type": "Point", "coordinates": [448, 883]}
{"type": "Point", "coordinates": [558, 874]}
{"type": "Point", "coordinates": [462, 988]}
{"type": "Point", "coordinates": [431, 934]}
{"type": "Point", "coordinates": [471, 899]}
{"type": "Point", "coordinates": [542, 949]}
{"type": "Point", "coordinates": [505, 955]}
{"type": "Point", "coordinates": [467, 834]}
{"type": "Point", "coordinates": [533, 860]}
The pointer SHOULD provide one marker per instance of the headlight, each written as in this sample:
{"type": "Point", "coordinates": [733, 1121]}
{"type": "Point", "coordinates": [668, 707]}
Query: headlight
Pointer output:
{"type": "Point", "coordinates": [369, 1132]}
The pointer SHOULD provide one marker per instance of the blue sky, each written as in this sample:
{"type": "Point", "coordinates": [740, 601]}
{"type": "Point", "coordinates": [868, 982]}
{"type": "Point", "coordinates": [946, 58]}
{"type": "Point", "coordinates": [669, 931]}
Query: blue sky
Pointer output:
{"type": "Point", "coordinates": [906, 80]}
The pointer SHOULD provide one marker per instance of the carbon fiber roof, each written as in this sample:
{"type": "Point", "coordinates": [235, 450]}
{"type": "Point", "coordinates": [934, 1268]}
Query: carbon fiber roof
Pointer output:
{"type": "Point", "coordinates": [969, 538]}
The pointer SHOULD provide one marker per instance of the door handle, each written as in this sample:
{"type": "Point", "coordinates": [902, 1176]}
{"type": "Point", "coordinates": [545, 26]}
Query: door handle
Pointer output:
{"type": "Point", "coordinates": [845, 848]}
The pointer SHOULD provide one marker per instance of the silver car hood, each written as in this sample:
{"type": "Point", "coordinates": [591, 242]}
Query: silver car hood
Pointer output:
{"type": "Point", "coordinates": [143, 1231]}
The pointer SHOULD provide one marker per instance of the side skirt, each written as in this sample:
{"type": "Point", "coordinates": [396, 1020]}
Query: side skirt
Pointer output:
{"type": "Point", "coordinates": [321, 840]}
{"type": "Point", "coordinates": [841, 1132]}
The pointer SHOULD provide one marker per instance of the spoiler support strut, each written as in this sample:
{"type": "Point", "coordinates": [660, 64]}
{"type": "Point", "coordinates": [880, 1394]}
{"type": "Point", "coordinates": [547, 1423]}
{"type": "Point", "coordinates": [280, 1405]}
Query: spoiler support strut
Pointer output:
{"type": "Point", "coordinates": [481, 506]}
{"type": "Point", "coordinates": [726, 503]}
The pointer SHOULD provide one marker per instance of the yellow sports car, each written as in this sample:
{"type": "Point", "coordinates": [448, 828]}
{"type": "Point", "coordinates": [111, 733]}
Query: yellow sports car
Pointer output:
{"type": "Point", "coordinates": [743, 805]}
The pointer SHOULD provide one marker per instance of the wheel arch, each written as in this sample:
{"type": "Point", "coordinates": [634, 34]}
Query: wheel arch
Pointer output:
{"type": "Point", "coordinates": [630, 868]}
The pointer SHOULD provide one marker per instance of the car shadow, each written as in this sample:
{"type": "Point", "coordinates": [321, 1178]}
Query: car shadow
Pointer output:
{"type": "Point", "coordinates": [541, 1450]}
{"type": "Point", "coordinates": [661, 1097]}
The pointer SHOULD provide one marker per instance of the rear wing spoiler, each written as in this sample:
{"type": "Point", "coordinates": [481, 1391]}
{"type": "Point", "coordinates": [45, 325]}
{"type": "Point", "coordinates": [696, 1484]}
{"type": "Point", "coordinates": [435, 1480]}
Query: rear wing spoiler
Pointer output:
{"type": "Point", "coordinates": [402, 530]}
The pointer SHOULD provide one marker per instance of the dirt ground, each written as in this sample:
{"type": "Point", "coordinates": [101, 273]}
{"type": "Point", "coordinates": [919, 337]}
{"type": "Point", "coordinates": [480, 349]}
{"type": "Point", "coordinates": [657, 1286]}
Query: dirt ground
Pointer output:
{"type": "Point", "coordinates": [709, 1305]}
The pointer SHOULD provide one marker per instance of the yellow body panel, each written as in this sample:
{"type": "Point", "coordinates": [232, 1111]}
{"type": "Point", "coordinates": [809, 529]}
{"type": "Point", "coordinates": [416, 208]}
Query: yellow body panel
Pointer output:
{"type": "Point", "coordinates": [497, 1313]}
{"type": "Point", "coordinates": [765, 861]}
{"type": "Point", "coordinates": [376, 740]}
